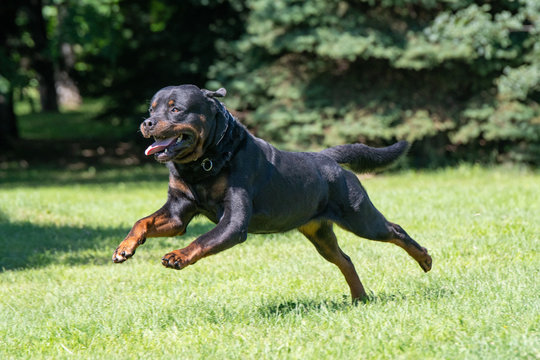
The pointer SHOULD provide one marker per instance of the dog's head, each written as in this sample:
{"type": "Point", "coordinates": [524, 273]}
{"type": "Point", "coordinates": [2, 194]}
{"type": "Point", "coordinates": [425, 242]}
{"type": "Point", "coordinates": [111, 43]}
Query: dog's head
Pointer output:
{"type": "Point", "coordinates": [182, 119]}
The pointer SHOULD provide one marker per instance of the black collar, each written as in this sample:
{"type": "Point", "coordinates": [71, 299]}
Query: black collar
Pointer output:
{"type": "Point", "coordinates": [218, 154]}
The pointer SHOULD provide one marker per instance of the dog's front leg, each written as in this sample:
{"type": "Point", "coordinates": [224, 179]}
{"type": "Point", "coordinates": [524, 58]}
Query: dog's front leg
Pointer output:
{"type": "Point", "coordinates": [230, 230]}
{"type": "Point", "coordinates": [164, 222]}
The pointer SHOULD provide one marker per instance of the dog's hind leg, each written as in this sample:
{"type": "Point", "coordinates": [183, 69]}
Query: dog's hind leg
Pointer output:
{"type": "Point", "coordinates": [322, 236]}
{"type": "Point", "coordinates": [367, 222]}
{"type": "Point", "coordinates": [402, 239]}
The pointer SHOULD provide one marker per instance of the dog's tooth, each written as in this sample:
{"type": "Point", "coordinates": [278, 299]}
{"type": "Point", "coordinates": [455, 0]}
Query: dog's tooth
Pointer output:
{"type": "Point", "coordinates": [180, 138]}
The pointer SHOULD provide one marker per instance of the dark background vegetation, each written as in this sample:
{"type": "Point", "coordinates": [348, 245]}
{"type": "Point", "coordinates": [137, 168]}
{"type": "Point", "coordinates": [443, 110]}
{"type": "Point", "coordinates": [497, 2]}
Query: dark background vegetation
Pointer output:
{"type": "Point", "coordinates": [460, 79]}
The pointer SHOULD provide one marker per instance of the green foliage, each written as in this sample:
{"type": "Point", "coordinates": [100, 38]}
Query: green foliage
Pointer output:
{"type": "Point", "coordinates": [456, 76]}
{"type": "Point", "coordinates": [123, 50]}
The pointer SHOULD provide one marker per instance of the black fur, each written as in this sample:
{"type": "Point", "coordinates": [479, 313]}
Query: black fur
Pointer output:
{"type": "Point", "coordinates": [245, 185]}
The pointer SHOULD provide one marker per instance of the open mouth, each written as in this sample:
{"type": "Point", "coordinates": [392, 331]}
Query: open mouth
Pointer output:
{"type": "Point", "coordinates": [167, 148]}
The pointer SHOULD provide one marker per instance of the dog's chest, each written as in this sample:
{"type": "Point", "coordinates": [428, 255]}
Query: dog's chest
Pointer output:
{"type": "Point", "coordinates": [210, 196]}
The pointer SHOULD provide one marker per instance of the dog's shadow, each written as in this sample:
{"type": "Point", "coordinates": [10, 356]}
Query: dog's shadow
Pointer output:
{"type": "Point", "coordinates": [306, 306]}
{"type": "Point", "coordinates": [302, 307]}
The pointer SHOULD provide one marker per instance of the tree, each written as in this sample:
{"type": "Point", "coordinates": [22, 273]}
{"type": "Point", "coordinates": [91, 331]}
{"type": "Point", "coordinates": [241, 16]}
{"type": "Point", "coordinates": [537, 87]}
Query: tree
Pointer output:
{"type": "Point", "coordinates": [39, 54]}
{"type": "Point", "coordinates": [456, 78]}
{"type": "Point", "coordinates": [165, 42]}
{"type": "Point", "coordinates": [8, 123]}
{"type": "Point", "coordinates": [123, 51]}
{"type": "Point", "coordinates": [24, 53]}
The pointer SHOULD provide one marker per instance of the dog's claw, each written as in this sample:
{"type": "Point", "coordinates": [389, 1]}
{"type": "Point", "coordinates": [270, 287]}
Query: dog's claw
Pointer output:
{"type": "Point", "coordinates": [174, 260]}
{"type": "Point", "coordinates": [118, 258]}
{"type": "Point", "coordinates": [121, 256]}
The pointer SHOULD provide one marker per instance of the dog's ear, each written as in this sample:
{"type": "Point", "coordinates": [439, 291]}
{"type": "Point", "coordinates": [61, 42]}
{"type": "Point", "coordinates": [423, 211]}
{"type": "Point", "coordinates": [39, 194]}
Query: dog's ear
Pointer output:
{"type": "Point", "coordinates": [221, 92]}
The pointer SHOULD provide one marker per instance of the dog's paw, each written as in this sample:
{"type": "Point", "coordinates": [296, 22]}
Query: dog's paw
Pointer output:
{"type": "Point", "coordinates": [123, 252]}
{"type": "Point", "coordinates": [175, 260]}
{"type": "Point", "coordinates": [425, 261]}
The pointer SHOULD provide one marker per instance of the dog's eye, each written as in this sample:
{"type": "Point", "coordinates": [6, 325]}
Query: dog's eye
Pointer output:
{"type": "Point", "coordinates": [151, 110]}
{"type": "Point", "coordinates": [175, 110]}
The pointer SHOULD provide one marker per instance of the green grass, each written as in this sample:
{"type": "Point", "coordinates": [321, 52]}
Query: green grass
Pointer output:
{"type": "Point", "coordinates": [271, 297]}
{"type": "Point", "coordinates": [79, 124]}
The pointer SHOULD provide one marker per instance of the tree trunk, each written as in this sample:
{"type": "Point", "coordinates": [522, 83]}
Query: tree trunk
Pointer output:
{"type": "Point", "coordinates": [66, 89]}
{"type": "Point", "coordinates": [42, 61]}
{"type": "Point", "coordinates": [8, 121]}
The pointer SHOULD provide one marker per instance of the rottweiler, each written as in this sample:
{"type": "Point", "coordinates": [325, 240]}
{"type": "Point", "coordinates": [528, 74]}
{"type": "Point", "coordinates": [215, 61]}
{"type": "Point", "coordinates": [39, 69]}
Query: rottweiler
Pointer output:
{"type": "Point", "coordinates": [245, 185]}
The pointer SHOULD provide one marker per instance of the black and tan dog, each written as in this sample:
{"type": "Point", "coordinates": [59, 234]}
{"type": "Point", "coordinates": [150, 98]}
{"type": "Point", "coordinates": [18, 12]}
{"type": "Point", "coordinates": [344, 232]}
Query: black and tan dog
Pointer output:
{"type": "Point", "coordinates": [245, 185]}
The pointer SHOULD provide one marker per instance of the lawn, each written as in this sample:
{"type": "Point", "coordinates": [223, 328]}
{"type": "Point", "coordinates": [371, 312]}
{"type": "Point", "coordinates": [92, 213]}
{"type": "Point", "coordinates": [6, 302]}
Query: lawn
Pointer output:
{"type": "Point", "coordinates": [81, 124]}
{"type": "Point", "coordinates": [272, 297]}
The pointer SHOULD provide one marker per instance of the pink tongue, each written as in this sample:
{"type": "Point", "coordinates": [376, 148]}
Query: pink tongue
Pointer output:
{"type": "Point", "coordinates": [158, 146]}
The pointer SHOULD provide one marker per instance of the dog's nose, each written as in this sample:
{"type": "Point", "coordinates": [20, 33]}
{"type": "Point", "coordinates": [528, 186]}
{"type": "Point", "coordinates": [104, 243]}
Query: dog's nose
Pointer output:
{"type": "Point", "coordinates": [149, 124]}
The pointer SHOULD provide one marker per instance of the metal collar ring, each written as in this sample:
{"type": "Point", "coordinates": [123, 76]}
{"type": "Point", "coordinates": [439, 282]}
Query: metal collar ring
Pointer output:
{"type": "Point", "coordinates": [207, 164]}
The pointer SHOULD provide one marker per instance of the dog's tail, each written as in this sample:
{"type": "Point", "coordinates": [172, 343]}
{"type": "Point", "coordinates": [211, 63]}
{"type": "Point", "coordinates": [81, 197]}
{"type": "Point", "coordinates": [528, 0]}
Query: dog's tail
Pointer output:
{"type": "Point", "coordinates": [362, 158]}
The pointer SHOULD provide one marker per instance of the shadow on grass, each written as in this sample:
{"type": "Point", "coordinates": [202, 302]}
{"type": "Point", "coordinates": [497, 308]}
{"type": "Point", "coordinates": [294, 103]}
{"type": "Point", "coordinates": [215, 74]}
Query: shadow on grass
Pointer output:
{"type": "Point", "coordinates": [26, 245]}
{"type": "Point", "coordinates": [302, 306]}
{"type": "Point", "coordinates": [305, 306]}
{"type": "Point", "coordinates": [426, 293]}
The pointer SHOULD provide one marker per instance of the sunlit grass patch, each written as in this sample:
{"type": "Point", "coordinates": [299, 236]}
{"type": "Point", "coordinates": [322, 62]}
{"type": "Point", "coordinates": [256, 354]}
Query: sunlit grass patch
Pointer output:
{"type": "Point", "coordinates": [272, 297]}
{"type": "Point", "coordinates": [71, 124]}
